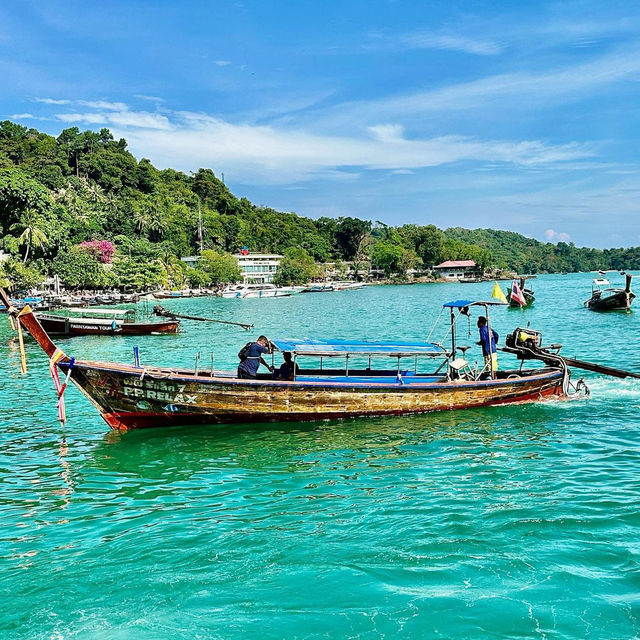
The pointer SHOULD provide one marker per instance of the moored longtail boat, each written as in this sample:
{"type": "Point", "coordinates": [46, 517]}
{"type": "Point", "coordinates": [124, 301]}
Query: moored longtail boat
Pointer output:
{"type": "Point", "coordinates": [130, 397]}
{"type": "Point", "coordinates": [520, 296]}
{"type": "Point", "coordinates": [604, 297]}
{"type": "Point", "coordinates": [81, 321]}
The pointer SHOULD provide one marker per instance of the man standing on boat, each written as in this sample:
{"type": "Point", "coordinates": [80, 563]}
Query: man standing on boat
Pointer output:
{"type": "Point", "coordinates": [488, 346]}
{"type": "Point", "coordinates": [251, 358]}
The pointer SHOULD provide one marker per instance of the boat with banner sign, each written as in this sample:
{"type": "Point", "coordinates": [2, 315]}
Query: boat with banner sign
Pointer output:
{"type": "Point", "coordinates": [94, 321]}
{"type": "Point", "coordinates": [604, 297]}
{"type": "Point", "coordinates": [333, 379]}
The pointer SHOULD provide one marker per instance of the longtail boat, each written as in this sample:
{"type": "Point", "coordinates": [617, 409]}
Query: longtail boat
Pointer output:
{"type": "Point", "coordinates": [90, 321]}
{"type": "Point", "coordinates": [604, 297]}
{"type": "Point", "coordinates": [520, 296]}
{"type": "Point", "coordinates": [136, 396]}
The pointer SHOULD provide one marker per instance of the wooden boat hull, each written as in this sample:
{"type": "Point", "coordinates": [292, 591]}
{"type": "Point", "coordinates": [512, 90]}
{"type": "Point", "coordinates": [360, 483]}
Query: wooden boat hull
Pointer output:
{"type": "Point", "coordinates": [613, 302]}
{"type": "Point", "coordinates": [132, 398]}
{"type": "Point", "coordinates": [61, 326]}
{"type": "Point", "coordinates": [528, 296]}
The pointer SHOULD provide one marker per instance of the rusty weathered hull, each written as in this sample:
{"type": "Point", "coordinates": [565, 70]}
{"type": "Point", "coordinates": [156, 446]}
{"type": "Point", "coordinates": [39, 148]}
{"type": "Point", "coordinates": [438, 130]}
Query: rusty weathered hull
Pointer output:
{"type": "Point", "coordinates": [132, 398]}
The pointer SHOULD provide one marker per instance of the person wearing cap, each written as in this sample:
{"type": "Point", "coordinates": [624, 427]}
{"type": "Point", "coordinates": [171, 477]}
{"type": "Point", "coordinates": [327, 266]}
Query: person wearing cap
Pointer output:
{"type": "Point", "coordinates": [251, 358]}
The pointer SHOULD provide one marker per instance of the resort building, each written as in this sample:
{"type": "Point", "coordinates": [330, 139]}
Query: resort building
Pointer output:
{"type": "Point", "coordinates": [255, 267]}
{"type": "Point", "coordinates": [456, 269]}
{"type": "Point", "coordinates": [191, 261]}
{"type": "Point", "coordinates": [258, 267]}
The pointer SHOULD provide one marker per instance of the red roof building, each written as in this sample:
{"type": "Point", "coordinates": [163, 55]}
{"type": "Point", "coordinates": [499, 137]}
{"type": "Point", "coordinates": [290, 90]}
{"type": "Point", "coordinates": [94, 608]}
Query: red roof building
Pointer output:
{"type": "Point", "coordinates": [449, 264]}
{"type": "Point", "coordinates": [456, 269]}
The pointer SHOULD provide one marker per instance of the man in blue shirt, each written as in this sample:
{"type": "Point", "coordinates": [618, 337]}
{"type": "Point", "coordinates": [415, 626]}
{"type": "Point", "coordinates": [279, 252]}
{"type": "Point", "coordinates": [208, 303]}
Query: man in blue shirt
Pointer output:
{"type": "Point", "coordinates": [488, 346]}
{"type": "Point", "coordinates": [248, 367]}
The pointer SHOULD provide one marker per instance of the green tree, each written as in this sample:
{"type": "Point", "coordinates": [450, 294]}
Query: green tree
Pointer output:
{"type": "Point", "coordinates": [296, 267]}
{"type": "Point", "coordinates": [32, 234]}
{"type": "Point", "coordinates": [350, 233]}
{"type": "Point", "coordinates": [220, 268]}
{"type": "Point", "coordinates": [138, 275]}
{"type": "Point", "coordinates": [17, 275]}
{"type": "Point", "coordinates": [77, 268]}
{"type": "Point", "coordinates": [387, 256]}
{"type": "Point", "coordinates": [19, 192]}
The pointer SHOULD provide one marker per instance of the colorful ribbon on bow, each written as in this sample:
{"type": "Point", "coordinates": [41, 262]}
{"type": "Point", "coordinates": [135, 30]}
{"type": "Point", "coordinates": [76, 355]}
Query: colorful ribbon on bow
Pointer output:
{"type": "Point", "coordinates": [60, 386]}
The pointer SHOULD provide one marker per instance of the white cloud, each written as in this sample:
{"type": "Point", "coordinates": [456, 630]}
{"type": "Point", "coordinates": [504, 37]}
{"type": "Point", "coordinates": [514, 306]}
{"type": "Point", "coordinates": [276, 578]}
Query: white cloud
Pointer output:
{"type": "Point", "coordinates": [51, 101]}
{"type": "Point", "coordinates": [524, 90]}
{"type": "Point", "coordinates": [387, 132]}
{"type": "Point", "coordinates": [125, 118]}
{"type": "Point", "coordinates": [22, 116]}
{"type": "Point", "coordinates": [222, 63]}
{"type": "Point", "coordinates": [429, 40]}
{"type": "Point", "coordinates": [142, 96]}
{"type": "Point", "coordinates": [556, 236]}
{"type": "Point", "coordinates": [103, 104]}
{"type": "Point", "coordinates": [279, 155]}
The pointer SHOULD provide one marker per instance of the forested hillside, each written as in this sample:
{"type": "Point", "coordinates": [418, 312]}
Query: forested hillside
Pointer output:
{"type": "Point", "coordinates": [73, 204]}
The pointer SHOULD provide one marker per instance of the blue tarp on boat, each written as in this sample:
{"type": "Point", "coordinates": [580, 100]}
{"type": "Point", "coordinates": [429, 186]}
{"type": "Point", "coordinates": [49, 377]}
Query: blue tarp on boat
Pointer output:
{"type": "Point", "coordinates": [316, 347]}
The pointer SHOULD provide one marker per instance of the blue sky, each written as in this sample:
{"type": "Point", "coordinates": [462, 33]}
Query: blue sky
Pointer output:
{"type": "Point", "coordinates": [512, 115]}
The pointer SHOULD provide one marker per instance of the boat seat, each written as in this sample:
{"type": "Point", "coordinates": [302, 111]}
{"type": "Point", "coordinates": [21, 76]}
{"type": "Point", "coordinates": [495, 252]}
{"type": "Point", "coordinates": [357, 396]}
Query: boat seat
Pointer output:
{"type": "Point", "coordinates": [460, 369]}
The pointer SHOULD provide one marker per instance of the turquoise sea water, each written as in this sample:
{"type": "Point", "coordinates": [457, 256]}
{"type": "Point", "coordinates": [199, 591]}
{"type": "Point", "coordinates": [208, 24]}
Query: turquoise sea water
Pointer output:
{"type": "Point", "coordinates": [506, 522]}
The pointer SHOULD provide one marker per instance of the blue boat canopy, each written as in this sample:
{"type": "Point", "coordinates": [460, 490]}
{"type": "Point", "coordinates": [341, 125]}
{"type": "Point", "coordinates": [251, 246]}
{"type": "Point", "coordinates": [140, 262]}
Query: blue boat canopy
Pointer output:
{"type": "Point", "coordinates": [328, 348]}
{"type": "Point", "coordinates": [459, 304]}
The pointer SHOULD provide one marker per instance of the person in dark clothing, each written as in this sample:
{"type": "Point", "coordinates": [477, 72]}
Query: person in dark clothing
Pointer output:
{"type": "Point", "coordinates": [248, 367]}
{"type": "Point", "coordinates": [288, 368]}
{"type": "Point", "coordinates": [488, 345]}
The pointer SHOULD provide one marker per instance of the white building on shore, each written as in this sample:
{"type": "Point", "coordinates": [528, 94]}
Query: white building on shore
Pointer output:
{"type": "Point", "coordinates": [258, 267]}
{"type": "Point", "coordinates": [255, 267]}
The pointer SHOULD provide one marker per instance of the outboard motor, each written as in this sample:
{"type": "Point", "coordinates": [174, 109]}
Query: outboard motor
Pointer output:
{"type": "Point", "coordinates": [524, 338]}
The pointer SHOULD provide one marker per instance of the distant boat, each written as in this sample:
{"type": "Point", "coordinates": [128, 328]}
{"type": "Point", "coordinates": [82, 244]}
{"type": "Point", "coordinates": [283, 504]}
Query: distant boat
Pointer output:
{"type": "Point", "coordinates": [170, 295]}
{"type": "Point", "coordinates": [319, 287]}
{"type": "Point", "coordinates": [604, 297]}
{"type": "Point", "coordinates": [347, 285]}
{"type": "Point", "coordinates": [264, 290]}
{"type": "Point", "coordinates": [82, 321]}
{"type": "Point", "coordinates": [528, 294]}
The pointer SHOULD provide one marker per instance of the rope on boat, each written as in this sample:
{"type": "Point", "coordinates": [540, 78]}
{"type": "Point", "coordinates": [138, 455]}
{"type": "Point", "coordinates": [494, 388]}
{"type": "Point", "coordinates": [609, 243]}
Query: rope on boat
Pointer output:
{"type": "Point", "coordinates": [451, 329]}
{"type": "Point", "coordinates": [435, 324]}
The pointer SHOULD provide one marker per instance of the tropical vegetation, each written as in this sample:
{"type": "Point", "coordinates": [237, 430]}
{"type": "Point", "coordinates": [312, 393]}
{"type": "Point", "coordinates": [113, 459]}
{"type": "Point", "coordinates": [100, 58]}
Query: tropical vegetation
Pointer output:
{"type": "Point", "coordinates": [81, 205]}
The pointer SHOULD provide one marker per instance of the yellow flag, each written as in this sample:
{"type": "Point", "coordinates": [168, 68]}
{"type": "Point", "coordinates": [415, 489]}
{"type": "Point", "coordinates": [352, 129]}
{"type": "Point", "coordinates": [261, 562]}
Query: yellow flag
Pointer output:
{"type": "Point", "coordinates": [497, 293]}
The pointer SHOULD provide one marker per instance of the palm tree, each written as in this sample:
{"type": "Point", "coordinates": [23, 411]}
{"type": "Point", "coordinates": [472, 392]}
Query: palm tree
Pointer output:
{"type": "Point", "coordinates": [33, 235]}
{"type": "Point", "coordinates": [142, 220]}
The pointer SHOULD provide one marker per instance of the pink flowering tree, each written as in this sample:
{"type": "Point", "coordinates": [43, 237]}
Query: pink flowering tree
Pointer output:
{"type": "Point", "coordinates": [102, 250]}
